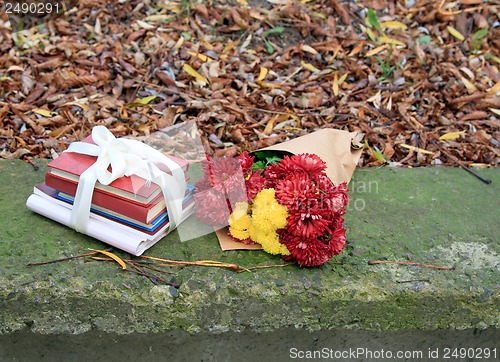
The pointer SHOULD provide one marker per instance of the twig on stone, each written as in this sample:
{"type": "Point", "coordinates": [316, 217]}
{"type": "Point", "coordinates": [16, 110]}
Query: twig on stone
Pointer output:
{"type": "Point", "coordinates": [413, 281]}
{"type": "Point", "coordinates": [68, 258]}
{"type": "Point", "coordinates": [211, 263]}
{"type": "Point", "coordinates": [262, 267]}
{"type": "Point", "coordinates": [138, 270]}
{"type": "Point", "coordinates": [375, 262]}
{"type": "Point", "coordinates": [151, 277]}
{"type": "Point", "coordinates": [461, 164]}
{"type": "Point", "coordinates": [30, 161]}
{"type": "Point", "coordinates": [147, 266]}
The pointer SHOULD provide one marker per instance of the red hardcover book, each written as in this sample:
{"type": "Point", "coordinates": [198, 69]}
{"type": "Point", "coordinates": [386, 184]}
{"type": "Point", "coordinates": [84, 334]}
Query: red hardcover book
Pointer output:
{"type": "Point", "coordinates": [130, 208]}
{"type": "Point", "coordinates": [71, 165]}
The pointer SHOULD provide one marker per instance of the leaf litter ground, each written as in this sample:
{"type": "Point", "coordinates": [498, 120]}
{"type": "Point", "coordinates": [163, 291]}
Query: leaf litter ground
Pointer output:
{"type": "Point", "coordinates": [419, 78]}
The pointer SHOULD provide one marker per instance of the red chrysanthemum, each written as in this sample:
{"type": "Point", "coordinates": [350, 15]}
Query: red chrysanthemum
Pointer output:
{"type": "Point", "coordinates": [254, 183]}
{"type": "Point", "coordinates": [211, 207]}
{"type": "Point", "coordinates": [314, 230]}
{"type": "Point", "coordinates": [272, 174]}
{"type": "Point", "coordinates": [234, 189]}
{"type": "Point", "coordinates": [246, 162]}
{"type": "Point", "coordinates": [308, 223]}
{"type": "Point", "coordinates": [310, 164]}
{"type": "Point", "coordinates": [315, 251]}
{"type": "Point", "coordinates": [296, 192]}
{"type": "Point", "coordinates": [223, 169]}
{"type": "Point", "coordinates": [338, 239]}
{"type": "Point", "coordinates": [341, 192]}
{"type": "Point", "coordinates": [333, 198]}
{"type": "Point", "coordinates": [225, 174]}
{"type": "Point", "coordinates": [203, 184]}
{"type": "Point", "coordinates": [307, 251]}
{"type": "Point", "coordinates": [311, 204]}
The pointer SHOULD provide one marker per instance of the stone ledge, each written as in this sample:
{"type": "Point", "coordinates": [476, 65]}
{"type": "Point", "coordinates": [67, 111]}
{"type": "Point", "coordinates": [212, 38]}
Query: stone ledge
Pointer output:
{"type": "Point", "coordinates": [437, 216]}
{"type": "Point", "coordinates": [282, 345]}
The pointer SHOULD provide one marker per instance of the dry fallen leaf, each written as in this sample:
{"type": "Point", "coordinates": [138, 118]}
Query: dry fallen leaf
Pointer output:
{"type": "Point", "coordinates": [452, 135]}
{"type": "Point", "coordinates": [262, 74]}
{"type": "Point", "coordinates": [399, 75]}
{"type": "Point", "coordinates": [201, 79]}
{"type": "Point", "coordinates": [112, 256]}
{"type": "Point", "coordinates": [391, 24]}
{"type": "Point", "coordinates": [309, 66]}
{"type": "Point", "coordinates": [455, 33]}
{"type": "Point", "coordinates": [45, 113]}
{"type": "Point", "coordinates": [376, 50]}
{"type": "Point", "coordinates": [417, 149]}
{"type": "Point", "coordinates": [335, 85]}
{"type": "Point", "coordinates": [495, 89]}
{"type": "Point", "coordinates": [390, 41]}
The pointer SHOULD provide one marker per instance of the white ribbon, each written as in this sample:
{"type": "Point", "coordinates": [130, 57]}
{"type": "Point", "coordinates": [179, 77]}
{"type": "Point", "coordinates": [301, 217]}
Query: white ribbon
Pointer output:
{"type": "Point", "coordinates": [126, 157]}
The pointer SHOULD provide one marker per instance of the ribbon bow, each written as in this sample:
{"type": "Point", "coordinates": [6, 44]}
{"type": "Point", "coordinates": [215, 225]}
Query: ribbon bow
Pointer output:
{"type": "Point", "coordinates": [126, 157]}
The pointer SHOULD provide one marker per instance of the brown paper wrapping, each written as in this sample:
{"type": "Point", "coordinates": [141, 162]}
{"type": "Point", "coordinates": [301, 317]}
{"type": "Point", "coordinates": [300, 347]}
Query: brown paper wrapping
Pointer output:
{"type": "Point", "coordinates": [337, 148]}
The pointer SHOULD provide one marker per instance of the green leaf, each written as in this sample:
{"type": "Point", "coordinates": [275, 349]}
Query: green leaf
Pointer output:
{"type": "Point", "coordinates": [277, 30]}
{"type": "Point", "coordinates": [264, 155]}
{"type": "Point", "coordinates": [146, 100]}
{"type": "Point", "coordinates": [186, 35]}
{"type": "Point", "coordinates": [373, 19]}
{"type": "Point", "coordinates": [19, 40]}
{"type": "Point", "coordinates": [480, 34]}
{"type": "Point", "coordinates": [378, 155]}
{"type": "Point", "coordinates": [273, 160]}
{"type": "Point", "coordinates": [385, 65]}
{"type": "Point", "coordinates": [371, 35]}
{"type": "Point", "coordinates": [259, 165]}
{"type": "Point", "coordinates": [269, 47]}
{"type": "Point", "coordinates": [424, 39]}
{"type": "Point", "coordinates": [143, 101]}
{"type": "Point", "coordinates": [318, 15]}
{"type": "Point", "coordinates": [265, 158]}
{"type": "Point", "coordinates": [492, 57]}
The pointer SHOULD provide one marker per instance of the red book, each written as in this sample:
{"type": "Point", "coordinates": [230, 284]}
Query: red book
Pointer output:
{"type": "Point", "coordinates": [70, 165]}
{"type": "Point", "coordinates": [130, 208]}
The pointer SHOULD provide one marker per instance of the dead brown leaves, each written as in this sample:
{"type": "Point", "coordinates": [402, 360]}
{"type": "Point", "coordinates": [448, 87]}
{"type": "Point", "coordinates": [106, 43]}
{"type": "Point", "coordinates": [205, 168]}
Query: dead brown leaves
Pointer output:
{"type": "Point", "coordinates": [253, 74]}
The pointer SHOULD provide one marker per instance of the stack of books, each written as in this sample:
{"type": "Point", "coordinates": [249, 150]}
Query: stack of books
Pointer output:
{"type": "Point", "coordinates": [130, 213]}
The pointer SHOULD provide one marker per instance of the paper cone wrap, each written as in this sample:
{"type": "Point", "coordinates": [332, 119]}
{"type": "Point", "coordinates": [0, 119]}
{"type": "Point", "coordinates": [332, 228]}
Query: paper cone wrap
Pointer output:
{"type": "Point", "coordinates": [336, 147]}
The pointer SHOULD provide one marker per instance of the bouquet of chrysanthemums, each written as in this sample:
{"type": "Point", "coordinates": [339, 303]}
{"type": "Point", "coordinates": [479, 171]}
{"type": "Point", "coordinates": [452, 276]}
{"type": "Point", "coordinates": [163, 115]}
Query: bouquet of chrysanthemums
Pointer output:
{"type": "Point", "coordinates": [285, 203]}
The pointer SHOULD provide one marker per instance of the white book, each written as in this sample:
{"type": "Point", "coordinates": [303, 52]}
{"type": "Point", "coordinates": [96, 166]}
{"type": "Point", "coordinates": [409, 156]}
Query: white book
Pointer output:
{"type": "Point", "coordinates": [108, 231]}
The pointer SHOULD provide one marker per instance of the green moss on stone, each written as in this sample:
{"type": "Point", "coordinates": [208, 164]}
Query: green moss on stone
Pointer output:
{"type": "Point", "coordinates": [429, 215]}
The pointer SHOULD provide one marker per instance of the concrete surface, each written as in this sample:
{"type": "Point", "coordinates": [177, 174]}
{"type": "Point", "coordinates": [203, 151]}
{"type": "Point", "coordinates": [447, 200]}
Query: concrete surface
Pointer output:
{"type": "Point", "coordinates": [437, 216]}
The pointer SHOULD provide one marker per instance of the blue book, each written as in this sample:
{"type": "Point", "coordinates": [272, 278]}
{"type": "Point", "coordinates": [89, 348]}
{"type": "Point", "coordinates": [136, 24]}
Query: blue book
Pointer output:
{"type": "Point", "coordinates": [152, 227]}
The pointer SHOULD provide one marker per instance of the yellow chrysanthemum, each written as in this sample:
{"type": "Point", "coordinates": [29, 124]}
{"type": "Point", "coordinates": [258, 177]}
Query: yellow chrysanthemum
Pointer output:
{"type": "Point", "coordinates": [261, 221]}
{"type": "Point", "coordinates": [240, 229]}
{"type": "Point", "coordinates": [264, 198]}
{"type": "Point", "coordinates": [269, 241]}
{"type": "Point", "coordinates": [240, 209]}
{"type": "Point", "coordinates": [240, 222]}
{"type": "Point", "coordinates": [267, 214]}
